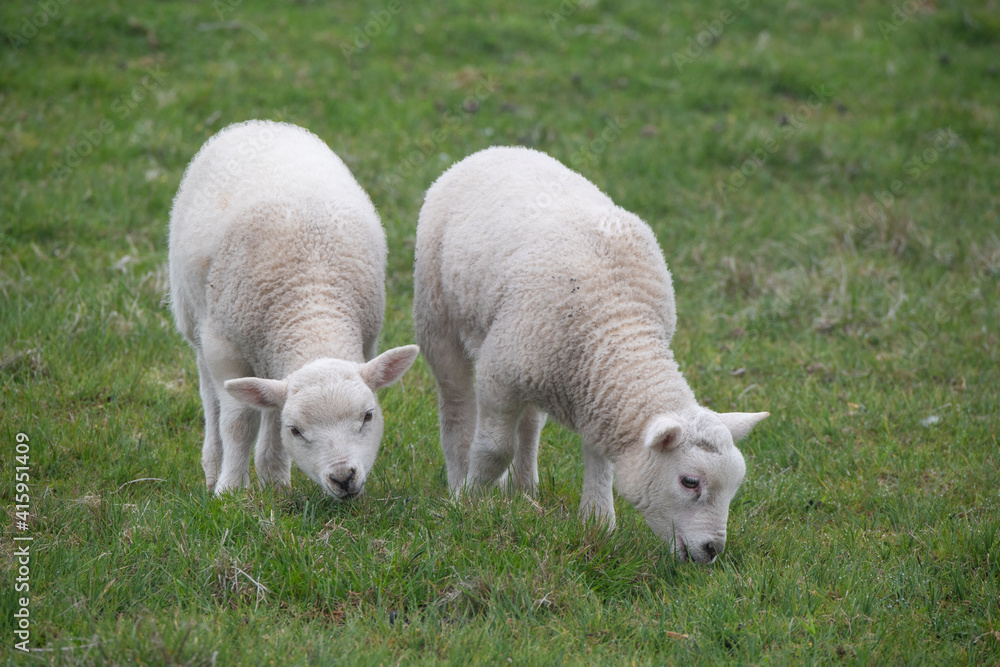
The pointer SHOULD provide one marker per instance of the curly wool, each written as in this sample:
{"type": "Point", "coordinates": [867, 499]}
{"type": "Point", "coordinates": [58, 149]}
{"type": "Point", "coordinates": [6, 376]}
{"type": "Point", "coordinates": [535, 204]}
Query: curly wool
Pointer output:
{"type": "Point", "coordinates": [258, 252]}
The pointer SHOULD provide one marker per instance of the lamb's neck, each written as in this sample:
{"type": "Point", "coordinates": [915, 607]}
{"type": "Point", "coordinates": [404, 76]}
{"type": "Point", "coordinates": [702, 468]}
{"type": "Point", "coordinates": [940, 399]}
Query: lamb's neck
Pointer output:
{"type": "Point", "coordinates": [315, 333]}
{"type": "Point", "coordinates": [632, 382]}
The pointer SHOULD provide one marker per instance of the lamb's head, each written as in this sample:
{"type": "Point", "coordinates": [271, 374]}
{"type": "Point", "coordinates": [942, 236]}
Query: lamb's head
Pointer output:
{"type": "Point", "coordinates": [331, 423]}
{"type": "Point", "coordinates": [684, 474]}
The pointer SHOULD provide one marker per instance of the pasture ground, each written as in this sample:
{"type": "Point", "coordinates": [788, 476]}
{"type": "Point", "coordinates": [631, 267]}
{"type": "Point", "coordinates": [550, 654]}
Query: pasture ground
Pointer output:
{"type": "Point", "coordinates": [822, 179]}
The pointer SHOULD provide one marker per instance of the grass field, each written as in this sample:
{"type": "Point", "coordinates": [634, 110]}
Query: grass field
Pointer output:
{"type": "Point", "coordinates": [824, 183]}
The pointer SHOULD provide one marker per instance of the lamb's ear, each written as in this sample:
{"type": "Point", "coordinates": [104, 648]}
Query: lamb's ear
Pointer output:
{"type": "Point", "coordinates": [389, 366]}
{"type": "Point", "coordinates": [663, 433]}
{"type": "Point", "coordinates": [258, 393]}
{"type": "Point", "coordinates": [740, 423]}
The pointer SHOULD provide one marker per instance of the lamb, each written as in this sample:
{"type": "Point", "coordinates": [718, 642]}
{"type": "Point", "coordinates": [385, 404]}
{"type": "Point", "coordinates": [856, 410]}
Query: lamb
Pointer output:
{"type": "Point", "coordinates": [535, 295]}
{"type": "Point", "coordinates": [277, 279]}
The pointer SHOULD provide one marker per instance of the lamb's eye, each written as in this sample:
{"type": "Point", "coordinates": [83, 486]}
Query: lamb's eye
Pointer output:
{"type": "Point", "coordinates": [369, 416]}
{"type": "Point", "coordinates": [690, 482]}
{"type": "Point", "coordinates": [295, 431]}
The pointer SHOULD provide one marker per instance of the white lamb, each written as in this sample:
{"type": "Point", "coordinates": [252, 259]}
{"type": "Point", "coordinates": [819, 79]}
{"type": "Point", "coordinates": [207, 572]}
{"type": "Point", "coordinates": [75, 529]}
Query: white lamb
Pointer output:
{"type": "Point", "coordinates": [277, 279]}
{"type": "Point", "coordinates": [535, 294]}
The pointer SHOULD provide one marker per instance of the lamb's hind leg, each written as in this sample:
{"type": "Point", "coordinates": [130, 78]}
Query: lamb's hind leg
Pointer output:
{"type": "Point", "coordinates": [456, 405]}
{"type": "Point", "coordinates": [495, 441]}
{"type": "Point", "coordinates": [525, 468]}
{"type": "Point", "coordinates": [211, 450]}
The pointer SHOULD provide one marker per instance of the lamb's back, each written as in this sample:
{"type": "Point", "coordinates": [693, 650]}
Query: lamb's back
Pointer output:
{"type": "Point", "coordinates": [265, 204]}
{"type": "Point", "coordinates": [299, 277]}
{"type": "Point", "coordinates": [253, 161]}
{"type": "Point", "coordinates": [520, 240]}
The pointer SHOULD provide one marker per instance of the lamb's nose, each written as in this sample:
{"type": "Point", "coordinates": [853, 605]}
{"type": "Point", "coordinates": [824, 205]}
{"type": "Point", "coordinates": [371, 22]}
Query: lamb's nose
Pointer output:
{"type": "Point", "coordinates": [713, 549]}
{"type": "Point", "coordinates": [345, 483]}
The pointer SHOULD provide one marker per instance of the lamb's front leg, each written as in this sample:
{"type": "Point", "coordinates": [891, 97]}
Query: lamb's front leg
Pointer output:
{"type": "Point", "coordinates": [598, 497]}
{"type": "Point", "coordinates": [274, 467]}
{"type": "Point", "coordinates": [238, 425]}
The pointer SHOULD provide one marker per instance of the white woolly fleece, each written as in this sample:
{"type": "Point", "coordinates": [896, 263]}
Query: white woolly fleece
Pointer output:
{"type": "Point", "coordinates": [277, 265]}
{"type": "Point", "coordinates": [264, 204]}
{"type": "Point", "coordinates": [557, 301]}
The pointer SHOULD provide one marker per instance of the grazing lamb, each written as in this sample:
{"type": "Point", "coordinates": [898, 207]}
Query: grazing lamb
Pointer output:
{"type": "Point", "coordinates": [277, 279]}
{"type": "Point", "coordinates": [535, 294]}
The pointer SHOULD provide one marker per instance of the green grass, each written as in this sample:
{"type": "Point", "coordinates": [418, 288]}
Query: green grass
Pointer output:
{"type": "Point", "coordinates": [865, 533]}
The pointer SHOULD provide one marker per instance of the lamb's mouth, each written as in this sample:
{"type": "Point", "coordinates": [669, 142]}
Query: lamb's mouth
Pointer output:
{"type": "Point", "coordinates": [680, 548]}
{"type": "Point", "coordinates": [340, 494]}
